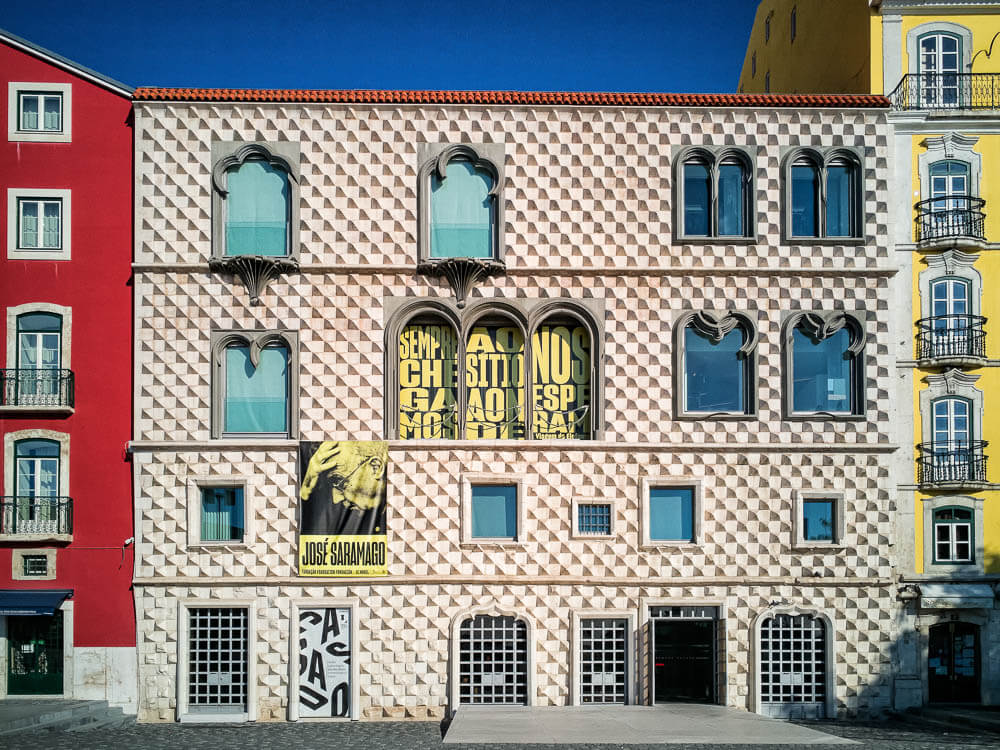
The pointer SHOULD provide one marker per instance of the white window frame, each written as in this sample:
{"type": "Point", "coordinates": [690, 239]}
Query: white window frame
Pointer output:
{"type": "Point", "coordinates": [10, 441]}
{"type": "Point", "coordinates": [798, 522]}
{"type": "Point", "coordinates": [949, 147]}
{"type": "Point", "coordinates": [195, 484]}
{"type": "Point", "coordinates": [966, 502]}
{"type": "Point", "coordinates": [697, 510]}
{"type": "Point", "coordinates": [183, 713]}
{"type": "Point", "coordinates": [576, 668]}
{"type": "Point", "coordinates": [351, 603]}
{"type": "Point", "coordinates": [575, 533]}
{"type": "Point", "coordinates": [506, 480]}
{"type": "Point", "coordinates": [14, 249]}
{"type": "Point", "coordinates": [14, 133]}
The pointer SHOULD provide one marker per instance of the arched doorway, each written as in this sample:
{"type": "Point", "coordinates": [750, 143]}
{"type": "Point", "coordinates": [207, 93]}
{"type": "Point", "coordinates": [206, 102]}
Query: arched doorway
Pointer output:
{"type": "Point", "coordinates": [793, 666]}
{"type": "Point", "coordinates": [493, 660]}
{"type": "Point", "coordinates": [953, 663]}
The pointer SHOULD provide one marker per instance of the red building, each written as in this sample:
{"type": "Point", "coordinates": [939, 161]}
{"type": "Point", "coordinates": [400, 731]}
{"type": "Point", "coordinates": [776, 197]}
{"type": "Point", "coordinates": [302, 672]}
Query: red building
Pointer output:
{"type": "Point", "coordinates": [67, 619]}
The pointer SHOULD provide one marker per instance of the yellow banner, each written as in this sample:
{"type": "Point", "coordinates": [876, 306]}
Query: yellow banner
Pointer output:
{"type": "Point", "coordinates": [347, 556]}
{"type": "Point", "coordinates": [428, 361]}
{"type": "Point", "coordinates": [494, 380]}
{"type": "Point", "coordinates": [561, 356]}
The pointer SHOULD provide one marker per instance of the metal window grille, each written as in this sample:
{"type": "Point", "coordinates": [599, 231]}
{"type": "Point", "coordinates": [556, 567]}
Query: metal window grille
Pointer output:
{"type": "Point", "coordinates": [685, 613]}
{"type": "Point", "coordinates": [35, 566]}
{"type": "Point", "coordinates": [493, 660]}
{"type": "Point", "coordinates": [593, 518]}
{"type": "Point", "coordinates": [217, 651]}
{"type": "Point", "coordinates": [793, 667]}
{"type": "Point", "coordinates": [603, 648]}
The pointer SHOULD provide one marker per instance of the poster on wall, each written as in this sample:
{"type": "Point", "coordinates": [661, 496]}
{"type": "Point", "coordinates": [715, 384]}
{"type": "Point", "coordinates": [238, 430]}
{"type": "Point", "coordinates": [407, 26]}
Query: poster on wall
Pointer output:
{"type": "Point", "coordinates": [494, 380]}
{"type": "Point", "coordinates": [561, 356]}
{"type": "Point", "coordinates": [428, 363]}
{"type": "Point", "coordinates": [342, 508]}
{"type": "Point", "coordinates": [324, 663]}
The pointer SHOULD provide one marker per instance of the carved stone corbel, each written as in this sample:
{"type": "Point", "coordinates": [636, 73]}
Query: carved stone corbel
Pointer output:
{"type": "Point", "coordinates": [255, 271]}
{"type": "Point", "coordinates": [462, 273]}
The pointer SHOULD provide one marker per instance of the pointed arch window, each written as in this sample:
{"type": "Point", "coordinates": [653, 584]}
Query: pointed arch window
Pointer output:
{"type": "Point", "coordinates": [715, 365]}
{"type": "Point", "coordinates": [824, 365]}
{"type": "Point", "coordinates": [714, 193]}
{"type": "Point", "coordinates": [824, 194]}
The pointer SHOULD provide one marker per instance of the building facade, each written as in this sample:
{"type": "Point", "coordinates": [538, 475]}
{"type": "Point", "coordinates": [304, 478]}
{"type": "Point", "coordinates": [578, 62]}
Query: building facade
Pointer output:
{"type": "Point", "coordinates": [67, 622]}
{"type": "Point", "coordinates": [935, 62]}
{"type": "Point", "coordinates": [628, 405]}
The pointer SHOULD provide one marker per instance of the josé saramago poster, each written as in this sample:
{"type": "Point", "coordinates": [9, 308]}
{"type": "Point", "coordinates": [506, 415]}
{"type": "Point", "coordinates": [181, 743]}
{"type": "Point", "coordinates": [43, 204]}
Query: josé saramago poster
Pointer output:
{"type": "Point", "coordinates": [342, 508]}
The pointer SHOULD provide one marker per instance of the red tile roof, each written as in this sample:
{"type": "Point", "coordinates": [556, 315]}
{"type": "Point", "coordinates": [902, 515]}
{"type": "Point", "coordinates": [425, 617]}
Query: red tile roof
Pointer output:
{"type": "Point", "coordinates": [582, 98]}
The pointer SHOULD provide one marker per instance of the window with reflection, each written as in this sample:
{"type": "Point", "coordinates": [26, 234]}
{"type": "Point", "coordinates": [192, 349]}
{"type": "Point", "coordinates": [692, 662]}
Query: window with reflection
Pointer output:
{"type": "Point", "coordinates": [825, 364]}
{"type": "Point", "coordinates": [715, 200]}
{"type": "Point", "coordinates": [824, 198]}
{"type": "Point", "coordinates": [715, 372]}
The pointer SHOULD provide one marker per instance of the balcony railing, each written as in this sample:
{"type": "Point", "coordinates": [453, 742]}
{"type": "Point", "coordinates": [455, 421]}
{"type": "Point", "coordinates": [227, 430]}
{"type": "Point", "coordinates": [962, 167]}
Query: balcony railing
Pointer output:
{"type": "Point", "coordinates": [36, 515]}
{"type": "Point", "coordinates": [951, 337]}
{"type": "Point", "coordinates": [950, 216]}
{"type": "Point", "coordinates": [951, 463]}
{"type": "Point", "coordinates": [935, 91]}
{"type": "Point", "coordinates": [39, 387]}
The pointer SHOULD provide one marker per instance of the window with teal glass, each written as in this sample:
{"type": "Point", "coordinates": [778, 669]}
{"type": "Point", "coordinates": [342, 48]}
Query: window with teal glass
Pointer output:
{"type": "Point", "coordinates": [462, 211]}
{"type": "Point", "coordinates": [805, 200]}
{"type": "Point", "coordinates": [256, 397]}
{"type": "Point", "coordinates": [818, 519]}
{"type": "Point", "coordinates": [714, 193]}
{"type": "Point", "coordinates": [671, 514]}
{"type": "Point", "coordinates": [822, 373]}
{"type": "Point", "coordinates": [715, 377]}
{"type": "Point", "coordinates": [697, 199]}
{"type": "Point", "coordinates": [257, 209]}
{"type": "Point", "coordinates": [824, 195]}
{"type": "Point", "coordinates": [839, 200]}
{"type": "Point", "coordinates": [222, 516]}
{"type": "Point", "coordinates": [494, 511]}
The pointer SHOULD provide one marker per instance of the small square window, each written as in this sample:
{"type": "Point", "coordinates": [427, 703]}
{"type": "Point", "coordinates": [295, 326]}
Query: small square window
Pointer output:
{"type": "Point", "coordinates": [222, 516]}
{"type": "Point", "coordinates": [35, 566]}
{"type": "Point", "coordinates": [671, 514]}
{"type": "Point", "coordinates": [40, 112]}
{"type": "Point", "coordinates": [593, 518]}
{"type": "Point", "coordinates": [819, 520]}
{"type": "Point", "coordinates": [494, 512]}
{"type": "Point", "coordinates": [39, 224]}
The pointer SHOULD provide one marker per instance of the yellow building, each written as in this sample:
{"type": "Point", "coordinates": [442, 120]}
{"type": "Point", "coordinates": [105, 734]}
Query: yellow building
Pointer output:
{"type": "Point", "coordinates": [939, 64]}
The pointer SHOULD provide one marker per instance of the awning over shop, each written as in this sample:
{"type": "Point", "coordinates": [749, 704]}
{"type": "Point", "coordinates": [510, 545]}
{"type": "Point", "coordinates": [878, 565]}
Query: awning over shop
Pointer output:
{"type": "Point", "coordinates": [956, 596]}
{"type": "Point", "coordinates": [32, 601]}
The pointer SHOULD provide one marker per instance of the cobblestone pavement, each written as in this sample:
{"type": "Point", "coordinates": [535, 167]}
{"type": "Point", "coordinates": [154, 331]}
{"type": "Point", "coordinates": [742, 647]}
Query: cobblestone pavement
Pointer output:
{"type": "Point", "coordinates": [415, 735]}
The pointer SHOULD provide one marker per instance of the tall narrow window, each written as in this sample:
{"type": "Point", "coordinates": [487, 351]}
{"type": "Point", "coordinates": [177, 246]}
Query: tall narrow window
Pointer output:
{"type": "Point", "coordinates": [714, 194]}
{"type": "Point", "coordinates": [954, 456]}
{"type": "Point", "coordinates": [428, 378]}
{"type": "Point", "coordinates": [39, 347]}
{"type": "Point", "coordinates": [37, 504]}
{"type": "Point", "coordinates": [805, 199]}
{"type": "Point", "coordinates": [494, 381]}
{"type": "Point", "coordinates": [462, 212]}
{"type": "Point", "coordinates": [955, 333]}
{"type": "Point", "coordinates": [793, 23]}
{"type": "Point", "coordinates": [733, 198]}
{"type": "Point", "coordinates": [940, 60]}
{"type": "Point", "coordinates": [697, 199]}
{"type": "Point", "coordinates": [953, 536]}
{"type": "Point", "coordinates": [257, 209]}
{"type": "Point", "coordinates": [840, 200]}
{"type": "Point", "coordinates": [256, 396]}
{"type": "Point", "coordinates": [560, 353]}
{"type": "Point", "coordinates": [825, 361]}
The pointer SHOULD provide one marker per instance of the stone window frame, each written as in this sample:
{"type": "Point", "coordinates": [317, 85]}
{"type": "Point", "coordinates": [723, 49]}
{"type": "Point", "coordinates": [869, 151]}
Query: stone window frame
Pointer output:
{"type": "Point", "coordinates": [825, 323]}
{"type": "Point", "coordinates": [799, 541]}
{"type": "Point", "coordinates": [822, 158]}
{"type": "Point", "coordinates": [914, 35]}
{"type": "Point", "coordinates": [697, 512]}
{"type": "Point", "coordinates": [14, 249]}
{"type": "Point", "coordinates": [66, 335]}
{"type": "Point", "coordinates": [10, 441]}
{"type": "Point", "coordinates": [17, 563]}
{"type": "Point", "coordinates": [195, 484]}
{"type": "Point", "coordinates": [713, 157]}
{"type": "Point", "coordinates": [966, 502]}
{"type": "Point", "coordinates": [950, 384]}
{"type": "Point", "coordinates": [435, 157]}
{"type": "Point", "coordinates": [15, 134]}
{"type": "Point", "coordinates": [717, 323]}
{"type": "Point", "coordinates": [285, 155]}
{"type": "Point", "coordinates": [632, 678]}
{"type": "Point", "coordinates": [525, 314]}
{"type": "Point", "coordinates": [950, 264]}
{"type": "Point", "coordinates": [479, 479]}
{"type": "Point", "coordinates": [949, 147]}
{"type": "Point", "coordinates": [256, 340]}
{"type": "Point", "coordinates": [614, 519]}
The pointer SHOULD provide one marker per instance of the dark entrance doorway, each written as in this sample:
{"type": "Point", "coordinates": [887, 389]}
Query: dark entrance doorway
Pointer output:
{"type": "Point", "coordinates": [35, 655]}
{"type": "Point", "coordinates": [953, 663]}
{"type": "Point", "coordinates": [683, 659]}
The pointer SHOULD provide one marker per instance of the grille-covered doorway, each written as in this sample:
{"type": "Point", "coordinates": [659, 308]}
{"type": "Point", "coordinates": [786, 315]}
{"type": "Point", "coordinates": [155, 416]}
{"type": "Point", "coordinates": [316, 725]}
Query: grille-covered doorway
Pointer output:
{"type": "Point", "coordinates": [603, 658]}
{"type": "Point", "coordinates": [793, 667]}
{"type": "Point", "coordinates": [493, 660]}
{"type": "Point", "coordinates": [218, 651]}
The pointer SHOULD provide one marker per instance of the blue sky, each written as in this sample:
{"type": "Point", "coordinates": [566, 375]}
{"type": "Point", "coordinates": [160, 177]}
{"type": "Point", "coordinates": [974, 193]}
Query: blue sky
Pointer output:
{"type": "Point", "coordinates": [587, 45]}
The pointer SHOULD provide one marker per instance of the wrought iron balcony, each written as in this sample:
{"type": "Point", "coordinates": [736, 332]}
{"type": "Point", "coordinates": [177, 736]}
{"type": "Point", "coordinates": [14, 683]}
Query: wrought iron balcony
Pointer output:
{"type": "Point", "coordinates": [936, 91]}
{"type": "Point", "coordinates": [951, 464]}
{"type": "Point", "coordinates": [37, 388]}
{"type": "Point", "coordinates": [951, 339]}
{"type": "Point", "coordinates": [951, 216]}
{"type": "Point", "coordinates": [20, 514]}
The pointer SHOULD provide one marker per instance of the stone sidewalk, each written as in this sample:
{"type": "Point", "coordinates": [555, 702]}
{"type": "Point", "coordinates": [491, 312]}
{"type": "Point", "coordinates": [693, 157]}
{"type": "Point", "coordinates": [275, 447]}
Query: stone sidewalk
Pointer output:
{"type": "Point", "coordinates": [415, 735]}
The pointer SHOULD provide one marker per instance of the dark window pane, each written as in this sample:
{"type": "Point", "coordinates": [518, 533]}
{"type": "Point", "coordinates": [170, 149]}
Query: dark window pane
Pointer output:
{"type": "Point", "coordinates": [714, 374]}
{"type": "Point", "coordinates": [697, 199]}
{"type": "Point", "coordinates": [821, 373]}
{"type": "Point", "coordinates": [805, 201]}
{"type": "Point", "coordinates": [838, 201]}
{"type": "Point", "coordinates": [732, 203]}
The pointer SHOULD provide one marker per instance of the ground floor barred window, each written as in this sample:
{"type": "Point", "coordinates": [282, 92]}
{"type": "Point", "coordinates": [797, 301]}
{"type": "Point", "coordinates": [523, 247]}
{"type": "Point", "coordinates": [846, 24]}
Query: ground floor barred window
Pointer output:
{"type": "Point", "coordinates": [218, 657]}
{"type": "Point", "coordinates": [493, 660]}
{"type": "Point", "coordinates": [793, 666]}
{"type": "Point", "coordinates": [603, 654]}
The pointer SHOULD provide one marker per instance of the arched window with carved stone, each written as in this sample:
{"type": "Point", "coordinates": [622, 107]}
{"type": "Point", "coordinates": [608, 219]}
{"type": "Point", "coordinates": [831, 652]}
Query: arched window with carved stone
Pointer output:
{"type": "Point", "coordinates": [824, 365]}
{"type": "Point", "coordinates": [715, 365]}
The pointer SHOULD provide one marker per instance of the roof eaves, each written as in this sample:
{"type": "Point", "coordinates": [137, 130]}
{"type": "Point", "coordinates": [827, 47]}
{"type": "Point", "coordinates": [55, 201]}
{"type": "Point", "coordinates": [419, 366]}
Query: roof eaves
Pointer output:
{"type": "Point", "coordinates": [66, 64]}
